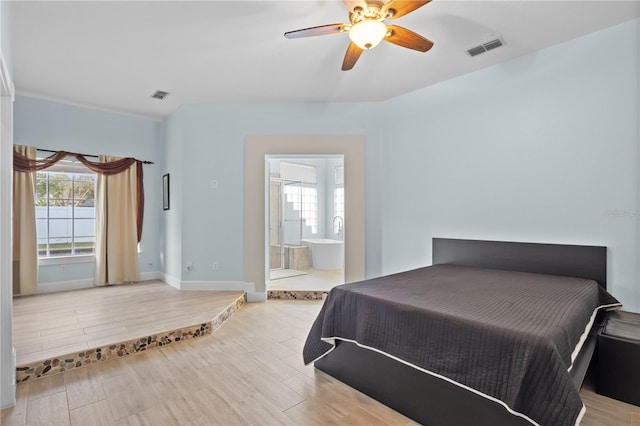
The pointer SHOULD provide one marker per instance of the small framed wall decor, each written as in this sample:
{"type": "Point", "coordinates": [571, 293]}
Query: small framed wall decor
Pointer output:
{"type": "Point", "coordinates": [165, 192]}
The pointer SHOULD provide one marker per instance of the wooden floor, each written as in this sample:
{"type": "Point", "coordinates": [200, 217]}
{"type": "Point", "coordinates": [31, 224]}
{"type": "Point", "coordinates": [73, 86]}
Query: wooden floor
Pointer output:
{"type": "Point", "coordinates": [49, 325]}
{"type": "Point", "coordinates": [248, 372]}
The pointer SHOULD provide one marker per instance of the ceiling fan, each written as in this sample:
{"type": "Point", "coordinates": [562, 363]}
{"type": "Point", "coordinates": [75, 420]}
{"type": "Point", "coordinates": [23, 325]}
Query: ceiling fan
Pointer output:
{"type": "Point", "coordinates": [367, 28]}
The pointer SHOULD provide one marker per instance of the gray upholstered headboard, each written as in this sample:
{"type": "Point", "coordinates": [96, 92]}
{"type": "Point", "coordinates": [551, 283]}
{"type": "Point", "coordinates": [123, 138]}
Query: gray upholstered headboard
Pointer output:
{"type": "Point", "coordinates": [555, 259]}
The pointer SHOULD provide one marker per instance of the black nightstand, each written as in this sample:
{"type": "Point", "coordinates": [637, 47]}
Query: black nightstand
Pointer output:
{"type": "Point", "coordinates": [619, 357]}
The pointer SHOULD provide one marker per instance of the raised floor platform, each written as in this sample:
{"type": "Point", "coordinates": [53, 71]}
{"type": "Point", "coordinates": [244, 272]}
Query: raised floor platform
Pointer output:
{"type": "Point", "coordinates": [60, 331]}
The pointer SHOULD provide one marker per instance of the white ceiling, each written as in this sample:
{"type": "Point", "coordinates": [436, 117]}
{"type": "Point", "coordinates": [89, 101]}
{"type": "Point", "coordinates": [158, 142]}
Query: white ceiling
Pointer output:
{"type": "Point", "coordinates": [113, 55]}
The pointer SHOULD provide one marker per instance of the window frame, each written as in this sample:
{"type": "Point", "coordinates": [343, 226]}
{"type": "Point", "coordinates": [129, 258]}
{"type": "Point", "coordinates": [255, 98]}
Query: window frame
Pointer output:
{"type": "Point", "coordinates": [338, 207]}
{"type": "Point", "coordinates": [301, 197]}
{"type": "Point", "coordinates": [68, 167]}
{"type": "Point", "coordinates": [338, 200]}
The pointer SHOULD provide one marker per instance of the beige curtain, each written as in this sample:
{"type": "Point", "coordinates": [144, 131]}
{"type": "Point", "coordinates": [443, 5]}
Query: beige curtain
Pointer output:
{"type": "Point", "coordinates": [24, 241]}
{"type": "Point", "coordinates": [116, 226]}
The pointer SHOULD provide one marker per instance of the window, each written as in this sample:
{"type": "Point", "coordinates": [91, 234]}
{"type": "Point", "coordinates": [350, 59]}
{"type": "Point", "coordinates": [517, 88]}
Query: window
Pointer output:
{"type": "Point", "coordinates": [304, 194]}
{"type": "Point", "coordinates": [338, 208]}
{"type": "Point", "coordinates": [65, 210]}
{"type": "Point", "coordinates": [338, 198]}
{"type": "Point", "coordinates": [305, 200]}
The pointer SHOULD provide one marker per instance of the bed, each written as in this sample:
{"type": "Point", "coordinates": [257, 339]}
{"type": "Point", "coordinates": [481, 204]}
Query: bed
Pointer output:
{"type": "Point", "coordinates": [495, 333]}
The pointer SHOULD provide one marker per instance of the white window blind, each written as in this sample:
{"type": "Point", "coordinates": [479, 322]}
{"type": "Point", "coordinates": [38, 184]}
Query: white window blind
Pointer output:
{"type": "Point", "coordinates": [298, 172]}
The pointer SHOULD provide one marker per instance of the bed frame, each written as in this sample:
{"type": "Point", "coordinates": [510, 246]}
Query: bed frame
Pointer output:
{"type": "Point", "coordinates": [433, 401]}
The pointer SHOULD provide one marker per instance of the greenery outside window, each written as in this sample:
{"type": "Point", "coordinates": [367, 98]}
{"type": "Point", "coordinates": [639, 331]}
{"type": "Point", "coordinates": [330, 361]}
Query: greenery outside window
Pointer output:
{"type": "Point", "coordinates": [65, 210]}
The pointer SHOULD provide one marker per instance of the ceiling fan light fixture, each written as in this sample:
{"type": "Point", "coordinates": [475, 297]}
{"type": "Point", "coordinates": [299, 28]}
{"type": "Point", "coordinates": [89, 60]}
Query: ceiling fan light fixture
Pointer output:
{"type": "Point", "coordinates": [367, 28]}
{"type": "Point", "coordinates": [368, 33]}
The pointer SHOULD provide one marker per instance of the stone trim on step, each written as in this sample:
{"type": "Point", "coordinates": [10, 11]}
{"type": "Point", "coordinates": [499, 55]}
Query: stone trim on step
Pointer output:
{"type": "Point", "coordinates": [297, 294]}
{"type": "Point", "coordinates": [59, 364]}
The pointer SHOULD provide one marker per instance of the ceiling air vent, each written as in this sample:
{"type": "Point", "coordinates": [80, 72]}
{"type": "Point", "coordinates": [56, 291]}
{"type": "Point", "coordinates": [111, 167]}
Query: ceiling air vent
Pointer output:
{"type": "Point", "coordinates": [476, 50]}
{"type": "Point", "coordinates": [487, 43]}
{"type": "Point", "coordinates": [159, 94]}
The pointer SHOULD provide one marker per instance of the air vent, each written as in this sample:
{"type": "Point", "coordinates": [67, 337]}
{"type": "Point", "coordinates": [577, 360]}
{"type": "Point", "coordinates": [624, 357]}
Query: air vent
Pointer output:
{"type": "Point", "coordinates": [487, 43]}
{"type": "Point", "coordinates": [159, 94]}
{"type": "Point", "coordinates": [476, 50]}
{"type": "Point", "coordinates": [492, 44]}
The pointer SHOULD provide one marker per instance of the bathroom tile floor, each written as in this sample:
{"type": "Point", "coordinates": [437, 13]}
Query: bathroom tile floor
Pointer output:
{"type": "Point", "coordinates": [315, 280]}
{"type": "Point", "coordinates": [54, 324]}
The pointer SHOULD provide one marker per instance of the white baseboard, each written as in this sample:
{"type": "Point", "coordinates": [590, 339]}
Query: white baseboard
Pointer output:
{"type": "Point", "coordinates": [10, 400]}
{"type": "Point", "coordinates": [216, 285]}
{"type": "Point", "coordinates": [255, 296]}
{"type": "Point", "coordinates": [150, 276]}
{"type": "Point", "coordinates": [252, 295]}
{"type": "Point", "coordinates": [172, 281]}
{"type": "Point", "coordinates": [54, 287]}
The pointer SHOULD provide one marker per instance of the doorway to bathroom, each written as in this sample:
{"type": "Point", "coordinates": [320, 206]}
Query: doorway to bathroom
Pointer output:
{"type": "Point", "coordinates": [306, 219]}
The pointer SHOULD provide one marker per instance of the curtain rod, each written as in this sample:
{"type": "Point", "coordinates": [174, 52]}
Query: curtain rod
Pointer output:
{"type": "Point", "coordinates": [86, 155]}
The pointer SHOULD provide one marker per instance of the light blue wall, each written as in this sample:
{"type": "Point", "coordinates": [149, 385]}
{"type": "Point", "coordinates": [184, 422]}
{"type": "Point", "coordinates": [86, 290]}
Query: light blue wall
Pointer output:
{"type": "Point", "coordinates": [173, 148]}
{"type": "Point", "coordinates": [542, 148]}
{"type": "Point", "coordinates": [56, 126]}
{"type": "Point", "coordinates": [212, 143]}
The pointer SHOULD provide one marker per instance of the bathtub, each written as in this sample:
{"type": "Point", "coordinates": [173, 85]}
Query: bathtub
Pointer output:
{"type": "Point", "coordinates": [325, 253]}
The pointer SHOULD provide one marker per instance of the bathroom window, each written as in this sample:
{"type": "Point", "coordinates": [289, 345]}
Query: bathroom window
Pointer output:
{"type": "Point", "coordinates": [305, 200]}
{"type": "Point", "coordinates": [65, 210]}
{"type": "Point", "coordinates": [310, 207]}
{"type": "Point", "coordinates": [338, 198]}
{"type": "Point", "coordinates": [338, 207]}
{"type": "Point", "coordinates": [304, 196]}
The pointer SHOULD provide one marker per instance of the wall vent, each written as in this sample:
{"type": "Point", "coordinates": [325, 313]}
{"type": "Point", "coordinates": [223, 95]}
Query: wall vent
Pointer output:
{"type": "Point", "coordinates": [159, 94]}
{"type": "Point", "coordinates": [487, 43]}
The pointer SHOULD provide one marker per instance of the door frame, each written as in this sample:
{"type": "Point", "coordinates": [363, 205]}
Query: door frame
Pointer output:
{"type": "Point", "coordinates": [257, 148]}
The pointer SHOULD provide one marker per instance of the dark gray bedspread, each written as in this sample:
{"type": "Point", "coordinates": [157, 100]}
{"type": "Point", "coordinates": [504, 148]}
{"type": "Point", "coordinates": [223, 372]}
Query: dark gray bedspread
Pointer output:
{"type": "Point", "coordinates": [509, 335]}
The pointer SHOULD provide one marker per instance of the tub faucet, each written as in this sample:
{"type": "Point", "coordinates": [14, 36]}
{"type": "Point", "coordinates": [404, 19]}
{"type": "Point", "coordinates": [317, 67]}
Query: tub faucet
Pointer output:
{"type": "Point", "coordinates": [340, 225]}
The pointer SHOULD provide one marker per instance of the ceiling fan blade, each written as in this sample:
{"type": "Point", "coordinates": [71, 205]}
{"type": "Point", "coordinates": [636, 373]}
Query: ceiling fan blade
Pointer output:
{"type": "Point", "coordinates": [403, 7]}
{"type": "Point", "coordinates": [352, 4]}
{"type": "Point", "coordinates": [407, 38]}
{"type": "Point", "coordinates": [315, 31]}
{"type": "Point", "coordinates": [351, 57]}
